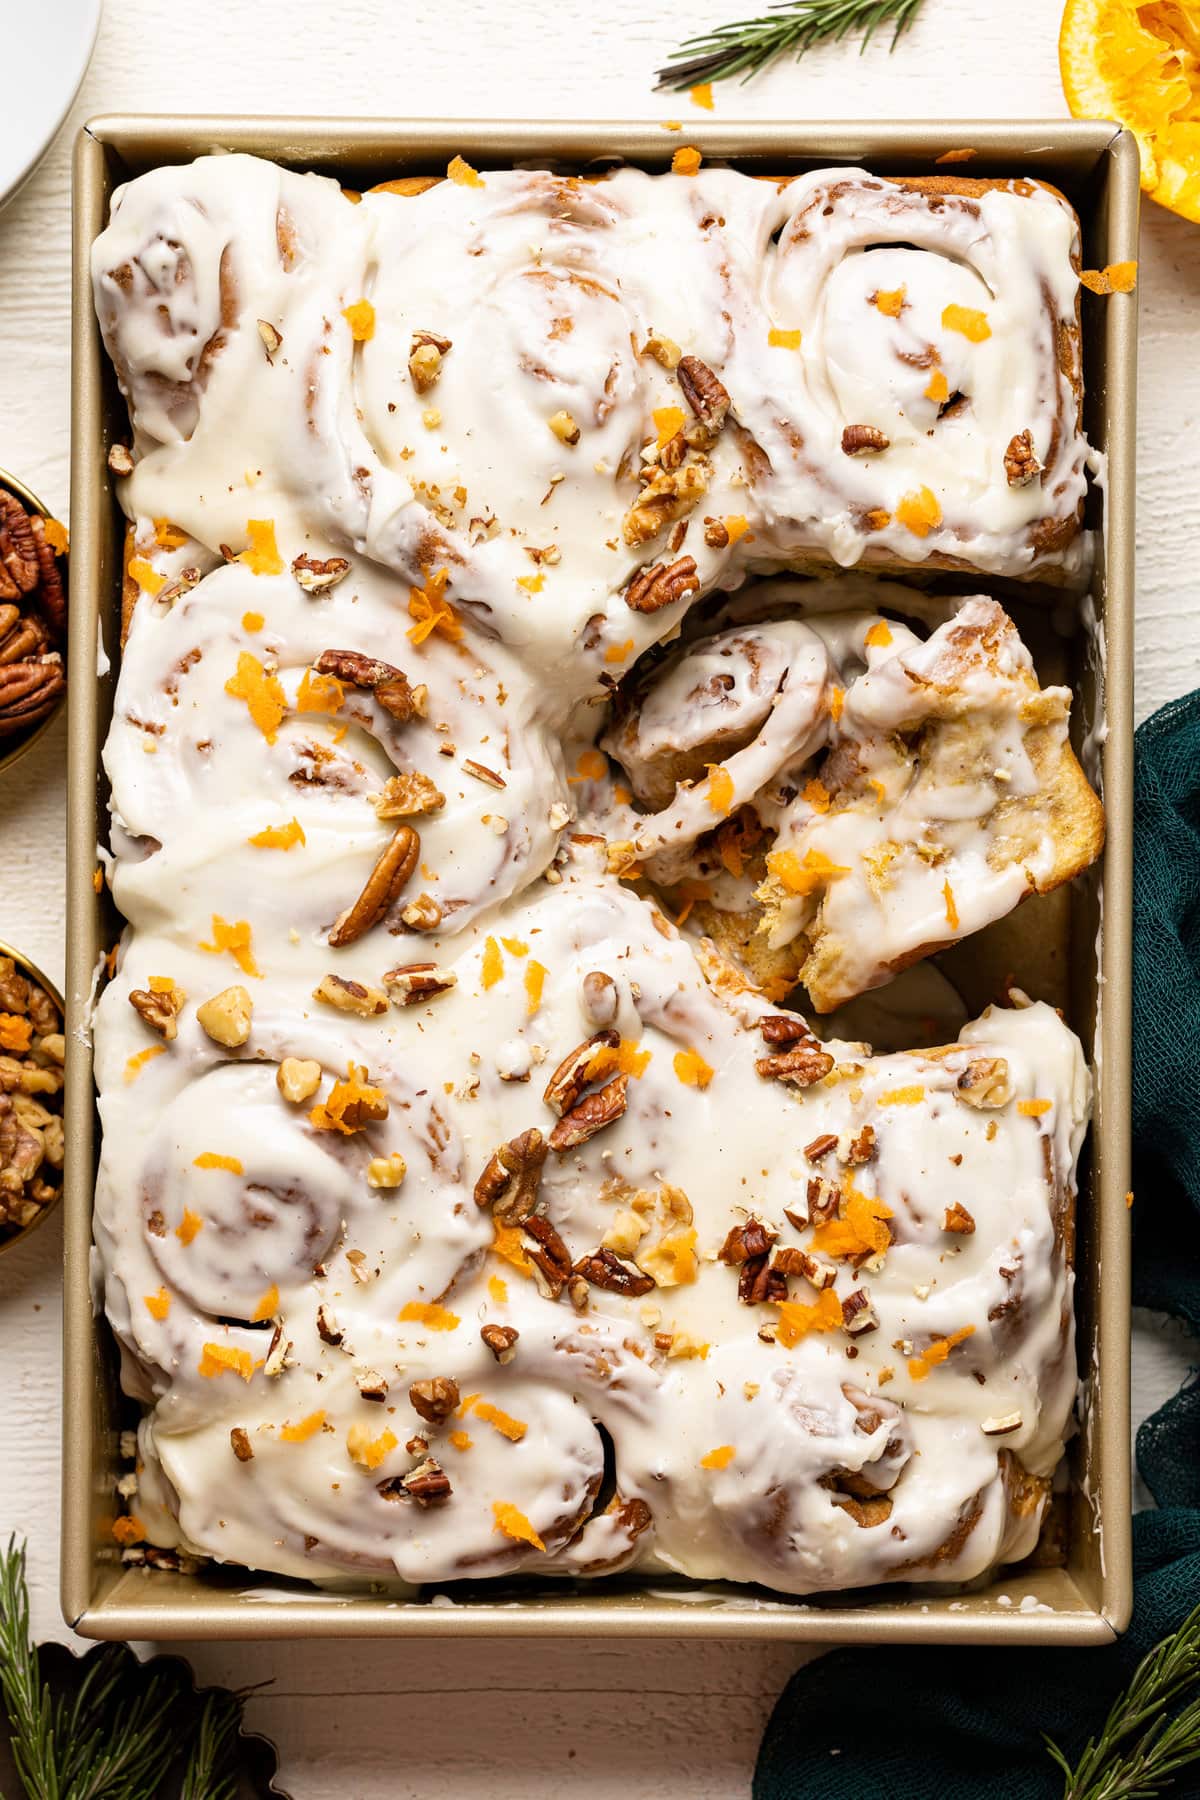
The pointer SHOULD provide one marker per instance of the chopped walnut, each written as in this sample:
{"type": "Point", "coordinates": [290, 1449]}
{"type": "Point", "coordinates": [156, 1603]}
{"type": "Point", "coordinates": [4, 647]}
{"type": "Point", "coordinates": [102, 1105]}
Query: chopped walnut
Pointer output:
{"type": "Point", "coordinates": [226, 1017]}
{"type": "Point", "coordinates": [386, 1171]}
{"type": "Point", "coordinates": [408, 796]}
{"type": "Point", "coordinates": [501, 1340]}
{"type": "Point", "coordinates": [564, 427]}
{"type": "Point", "coordinates": [434, 1400]}
{"type": "Point", "coordinates": [160, 1008]}
{"type": "Point", "coordinates": [984, 1083]}
{"type": "Point", "coordinates": [422, 914]}
{"type": "Point", "coordinates": [298, 1079]}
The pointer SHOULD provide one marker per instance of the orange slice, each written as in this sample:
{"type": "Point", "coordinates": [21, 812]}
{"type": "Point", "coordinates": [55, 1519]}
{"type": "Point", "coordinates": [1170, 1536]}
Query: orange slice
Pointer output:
{"type": "Point", "coordinates": [1141, 64]}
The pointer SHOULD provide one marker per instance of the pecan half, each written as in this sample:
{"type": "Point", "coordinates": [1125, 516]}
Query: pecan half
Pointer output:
{"type": "Point", "coordinates": [652, 589]}
{"type": "Point", "coordinates": [510, 1181]}
{"type": "Point", "coordinates": [501, 1340]}
{"type": "Point", "coordinates": [704, 392]}
{"type": "Point", "coordinates": [1021, 465]}
{"type": "Point", "coordinates": [51, 600]}
{"type": "Point", "coordinates": [18, 551]}
{"type": "Point", "coordinates": [784, 1029]}
{"type": "Point", "coordinates": [573, 1073]}
{"type": "Point", "coordinates": [28, 692]}
{"type": "Point", "coordinates": [382, 889]}
{"type": "Point", "coordinates": [434, 1399]}
{"type": "Point", "coordinates": [801, 1066]}
{"type": "Point", "coordinates": [388, 685]}
{"type": "Point", "coordinates": [428, 1484]}
{"type": "Point", "coordinates": [758, 1280]}
{"type": "Point", "coordinates": [317, 576]}
{"type": "Point", "coordinates": [984, 1083]}
{"type": "Point", "coordinates": [605, 1269]}
{"type": "Point", "coordinates": [592, 1114]}
{"type": "Point", "coordinates": [858, 438]}
{"type": "Point", "coordinates": [412, 983]}
{"type": "Point", "coordinates": [159, 1010]}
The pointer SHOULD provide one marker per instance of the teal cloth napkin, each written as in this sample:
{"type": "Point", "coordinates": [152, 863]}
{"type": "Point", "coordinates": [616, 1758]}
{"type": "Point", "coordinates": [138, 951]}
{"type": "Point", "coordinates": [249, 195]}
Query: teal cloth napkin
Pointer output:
{"type": "Point", "coordinates": [949, 1724]}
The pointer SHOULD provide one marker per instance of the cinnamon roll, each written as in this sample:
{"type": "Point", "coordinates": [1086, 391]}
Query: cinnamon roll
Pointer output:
{"type": "Point", "coordinates": [459, 1214]}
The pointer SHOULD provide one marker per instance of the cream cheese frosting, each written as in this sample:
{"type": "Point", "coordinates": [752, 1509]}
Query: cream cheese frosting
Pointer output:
{"type": "Point", "coordinates": [458, 1214]}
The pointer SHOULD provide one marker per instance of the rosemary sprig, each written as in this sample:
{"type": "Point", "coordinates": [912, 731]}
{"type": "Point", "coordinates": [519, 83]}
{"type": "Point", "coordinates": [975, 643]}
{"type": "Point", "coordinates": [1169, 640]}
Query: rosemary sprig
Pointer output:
{"type": "Point", "coordinates": [129, 1732]}
{"type": "Point", "coordinates": [789, 29]}
{"type": "Point", "coordinates": [1142, 1744]}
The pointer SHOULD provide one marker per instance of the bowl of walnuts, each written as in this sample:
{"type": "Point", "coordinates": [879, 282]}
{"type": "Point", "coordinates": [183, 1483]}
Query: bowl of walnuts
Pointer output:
{"type": "Point", "coordinates": [32, 1051]}
{"type": "Point", "coordinates": [33, 618]}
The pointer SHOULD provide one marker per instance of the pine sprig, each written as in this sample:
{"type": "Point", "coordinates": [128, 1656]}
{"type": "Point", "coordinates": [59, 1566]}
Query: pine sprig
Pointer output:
{"type": "Point", "coordinates": [789, 29]}
{"type": "Point", "coordinates": [1143, 1744]}
{"type": "Point", "coordinates": [129, 1731]}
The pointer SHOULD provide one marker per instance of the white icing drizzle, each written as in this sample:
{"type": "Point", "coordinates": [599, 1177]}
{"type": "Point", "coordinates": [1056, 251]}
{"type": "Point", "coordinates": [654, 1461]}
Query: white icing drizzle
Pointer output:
{"type": "Point", "coordinates": [809, 1460]}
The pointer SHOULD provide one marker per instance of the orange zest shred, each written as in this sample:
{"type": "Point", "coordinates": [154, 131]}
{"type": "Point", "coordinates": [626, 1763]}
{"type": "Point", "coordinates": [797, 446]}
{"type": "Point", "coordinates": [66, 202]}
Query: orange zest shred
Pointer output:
{"type": "Point", "coordinates": [190, 1224]}
{"type": "Point", "coordinates": [784, 340]}
{"type": "Point", "coordinates": [720, 790]}
{"type": "Point", "coordinates": [691, 1069]}
{"type": "Point", "coordinates": [261, 556]}
{"type": "Point", "coordinates": [460, 1440]}
{"type": "Point", "coordinates": [796, 1319]}
{"type": "Point", "coordinates": [366, 1451]}
{"type": "Point", "coordinates": [513, 1523]}
{"type": "Point", "coordinates": [667, 421]}
{"type": "Point", "coordinates": [491, 969]}
{"type": "Point", "coordinates": [16, 1033]}
{"type": "Point", "coordinates": [57, 536]}
{"type": "Point", "coordinates": [515, 947]}
{"type": "Point", "coordinates": [460, 171]}
{"type": "Point", "coordinates": [837, 701]}
{"type": "Point", "coordinates": [890, 301]}
{"type": "Point", "coordinates": [919, 511]}
{"type": "Point", "coordinates": [686, 161]}
{"type": "Point", "coordinates": [817, 795]}
{"type": "Point", "coordinates": [720, 1458]}
{"type": "Point", "coordinates": [236, 940]}
{"type": "Point", "coordinates": [513, 1429]}
{"type": "Point", "coordinates": [1113, 278]}
{"type": "Point", "coordinates": [592, 766]}
{"type": "Point", "coordinates": [1033, 1109]}
{"type": "Point", "coordinates": [267, 1307]}
{"type": "Point", "coordinates": [209, 1159]}
{"type": "Point", "coordinates": [737, 525]}
{"type": "Point", "coordinates": [352, 1104]}
{"type": "Point", "coordinates": [535, 981]}
{"type": "Point", "coordinates": [262, 693]}
{"type": "Point", "coordinates": [951, 906]}
{"type": "Point", "coordinates": [902, 1096]}
{"type": "Point", "coordinates": [279, 837]}
{"type": "Point", "coordinates": [303, 1429]}
{"type": "Point", "coordinates": [223, 1359]}
{"type": "Point", "coordinates": [136, 1064]}
{"type": "Point", "coordinates": [431, 611]}
{"type": "Point", "coordinates": [168, 536]}
{"type": "Point", "coordinates": [803, 874]}
{"type": "Point", "coordinates": [879, 635]}
{"type": "Point", "coordinates": [128, 1529]}
{"type": "Point", "coordinates": [360, 317]}
{"type": "Point", "coordinates": [702, 95]}
{"type": "Point", "coordinates": [968, 321]}
{"type": "Point", "coordinates": [860, 1231]}
{"type": "Point", "coordinates": [147, 577]}
{"type": "Point", "coordinates": [509, 1245]}
{"type": "Point", "coordinates": [939, 388]}
{"type": "Point", "coordinates": [252, 621]}
{"type": "Point", "coordinates": [533, 584]}
{"type": "Point", "coordinates": [617, 653]}
{"type": "Point", "coordinates": [319, 693]}
{"type": "Point", "coordinates": [497, 1290]}
{"type": "Point", "coordinates": [429, 1314]}
{"type": "Point", "coordinates": [937, 1352]}
{"type": "Point", "coordinates": [631, 1060]}
{"type": "Point", "coordinates": [158, 1305]}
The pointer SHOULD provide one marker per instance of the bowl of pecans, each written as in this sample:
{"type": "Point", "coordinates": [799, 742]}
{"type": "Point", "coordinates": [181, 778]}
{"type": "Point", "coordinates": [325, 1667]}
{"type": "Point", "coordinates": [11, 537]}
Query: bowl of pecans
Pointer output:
{"type": "Point", "coordinates": [33, 618]}
{"type": "Point", "coordinates": [32, 1049]}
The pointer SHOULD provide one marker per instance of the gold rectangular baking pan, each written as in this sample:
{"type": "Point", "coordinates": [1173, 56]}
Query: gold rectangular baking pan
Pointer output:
{"type": "Point", "coordinates": [1084, 1600]}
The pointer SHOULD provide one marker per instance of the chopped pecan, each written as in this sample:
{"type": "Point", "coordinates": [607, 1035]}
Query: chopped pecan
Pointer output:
{"type": "Point", "coordinates": [858, 438]}
{"type": "Point", "coordinates": [501, 1340]}
{"type": "Point", "coordinates": [858, 1314]}
{"type": "Point", "coordinates": [716, 534]}
{"type": "Point", "coordinates": [573, 1073]}
{"type": "Point", "coordinates": [758, 1281]}
{"type": "Point", "coordinates": [801, 1066]}
{"type": "Point", "coordinates": [328, 1329]}
{"type": "Point", "coordinates": [350, 996]}
{"type": "Point", "coordinates": [425, 359]}
{"type": "Point", "coordinates": [1021, 464]}
{"type": "Point", "coordinates": [592, 1114]}
{"type": "Point", "coordinates": [408, 796]}
{"type": "Point", "coordinates": [427, 1484]}
{"type": "Point", "coordinates": [957, 1219]}
{"type": "Point", "coordinates": [434, 1400]}
{"type": "Point", "coordinates": [382, 889]}
{"type": "Point", "coordinates": [490, 777]}
{"type": "Point", "coordinates": [745, 1241]}
{"type": "Point", "coordinates": [821, 1146]}
{"type": "Point", "coordinates": [510, 1181]}
{"type": "Point", "coordinates": [784, 1029]}
{"type": "Point", "coordinates": [1001, 1424]}
{"type": "Point", "coordinates": [664, 584]}
{"type": "Point", "coordinates": [317, 576]}
{"type": "Point", "coordinates": [984, 1083]}
{"type": "Point", "coordinates": [549, 1255]}
{"type": "Point", "coordinates": [704, 392]}
{"type": "Point", "coordinates": [412, 983]}
{"type": "Point", "coordinates": [160, 1010]}
{"type": "Point", "coordinates": [272, 338]}
{"type": "Point", "coordinates": [605, 1269]}
{"type": "Point", "coordinates": [824, 1198]}
{"type": "Point", "coordinates": [861, 1148]}
{"type": "Point", "coordinates": [371, 1385]}
{"type": "Point", "coordinates": [388, 685]}
{"type": "Point", "coordinates": [243, 1449]}
{"type": "Point", "coordinates": [120, 459]}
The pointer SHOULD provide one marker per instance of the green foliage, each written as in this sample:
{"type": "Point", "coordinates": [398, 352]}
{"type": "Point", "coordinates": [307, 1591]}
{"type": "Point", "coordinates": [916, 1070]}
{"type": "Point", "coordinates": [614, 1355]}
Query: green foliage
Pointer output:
{"type": "Point", "coordinates": [788, 29]}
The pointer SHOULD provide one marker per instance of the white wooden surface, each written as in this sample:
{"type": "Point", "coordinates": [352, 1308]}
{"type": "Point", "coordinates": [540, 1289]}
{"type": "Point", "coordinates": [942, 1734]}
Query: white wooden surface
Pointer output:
{"type": "Point", "coordinates": [521, 1721]}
